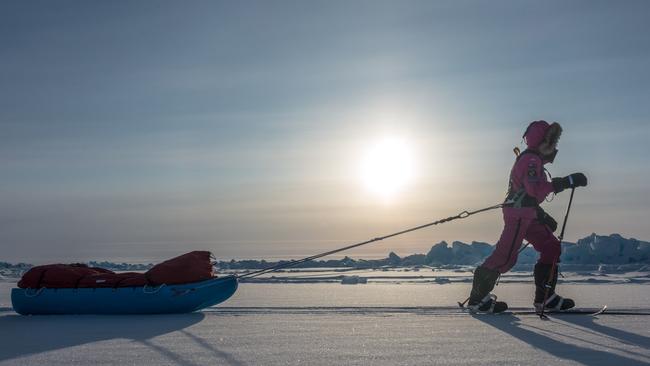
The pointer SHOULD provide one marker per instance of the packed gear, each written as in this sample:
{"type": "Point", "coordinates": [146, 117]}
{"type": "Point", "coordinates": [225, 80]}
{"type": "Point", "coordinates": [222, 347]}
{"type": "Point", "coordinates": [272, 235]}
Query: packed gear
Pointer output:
{"type": "Point", "coordinates": [190, 267]}
{"type": "Point", "coordinates": [180, 285]}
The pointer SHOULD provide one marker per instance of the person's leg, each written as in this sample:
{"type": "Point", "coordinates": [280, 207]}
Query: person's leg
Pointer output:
{"type": "Point", "coordinates": [500, 261]}
{"type": "Point", "coordinates": [545, 273]}
{"type": "Point", "coordinates": [506, 251]}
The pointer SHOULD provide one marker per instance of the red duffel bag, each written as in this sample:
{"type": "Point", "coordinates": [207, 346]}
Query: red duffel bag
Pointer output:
{"type": "Point", "coordinates": [191, 267]}
{"type": "Point", "coordinates": [125, 279]}
{"type": "Point", "coordinates": [58, 275]}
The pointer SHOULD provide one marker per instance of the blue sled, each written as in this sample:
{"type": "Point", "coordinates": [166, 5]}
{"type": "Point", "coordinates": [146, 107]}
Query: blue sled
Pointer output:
{"type": "Point", "coordinates": [164, 299]}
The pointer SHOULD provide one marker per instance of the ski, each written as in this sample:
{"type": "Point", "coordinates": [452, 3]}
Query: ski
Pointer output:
{"type": "Point", "coordinates": [574, 311]}
{"type": "Point", "coordinates": [522, 311]}
{"type": "Point", "coordinates": [602, 310]}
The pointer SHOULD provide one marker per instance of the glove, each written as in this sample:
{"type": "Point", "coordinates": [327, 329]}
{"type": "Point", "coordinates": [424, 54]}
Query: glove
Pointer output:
{"type": "Point", "coordinates": [546, 219]}
{"type": "Point", "coordinates": [570, 181]}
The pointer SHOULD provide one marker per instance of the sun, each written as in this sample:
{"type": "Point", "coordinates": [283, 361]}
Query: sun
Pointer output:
{"type": "Point", "coordinates": [387, 166]}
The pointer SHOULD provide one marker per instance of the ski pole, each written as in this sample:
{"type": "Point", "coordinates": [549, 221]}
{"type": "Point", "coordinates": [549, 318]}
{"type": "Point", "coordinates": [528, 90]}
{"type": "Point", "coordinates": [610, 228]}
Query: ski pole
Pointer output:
{"type": "Point", "coordinates": [554, 265]}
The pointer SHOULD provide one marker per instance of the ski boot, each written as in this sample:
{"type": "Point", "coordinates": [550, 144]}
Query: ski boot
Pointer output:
{"type": "Point", "coordinates": [554, 302]}
{"type": "Point", "coordinates": [480, 299]}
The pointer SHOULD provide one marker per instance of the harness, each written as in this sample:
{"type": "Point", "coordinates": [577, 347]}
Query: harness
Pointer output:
{"type": "Point", "coordinates": [520, 198]}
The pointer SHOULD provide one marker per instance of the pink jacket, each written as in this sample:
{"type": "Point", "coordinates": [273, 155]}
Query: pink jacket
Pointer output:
{"type": "Point", "coordinates": [528, 173]}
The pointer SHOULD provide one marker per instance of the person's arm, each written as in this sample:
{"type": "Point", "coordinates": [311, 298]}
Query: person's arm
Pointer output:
{"type": "Point", "coordinates": [530, 167]}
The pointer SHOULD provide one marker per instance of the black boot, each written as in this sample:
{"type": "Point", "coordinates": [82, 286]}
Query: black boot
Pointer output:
{"type": "Point", "coordinates": [554, 302]}
{"type": "Point", "coordinates": [480, 299]}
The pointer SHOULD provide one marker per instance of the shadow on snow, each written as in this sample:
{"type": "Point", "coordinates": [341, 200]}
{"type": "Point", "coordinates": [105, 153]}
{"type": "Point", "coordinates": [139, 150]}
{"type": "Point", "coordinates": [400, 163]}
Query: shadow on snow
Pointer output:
{"type": "Point", "coordinates": [551, 340]}
{"type": "Point", "coordinates": [23, 336]}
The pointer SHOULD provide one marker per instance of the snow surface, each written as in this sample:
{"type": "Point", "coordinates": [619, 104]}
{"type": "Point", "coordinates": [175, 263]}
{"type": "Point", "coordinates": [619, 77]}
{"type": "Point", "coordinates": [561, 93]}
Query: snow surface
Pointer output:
{"type": "Point", "coordinates": [334, 324]}
{"type": "Point", "coordinates": [323, 339]}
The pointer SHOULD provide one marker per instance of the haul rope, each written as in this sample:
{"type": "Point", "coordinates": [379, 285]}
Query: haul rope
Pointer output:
{"type": "Point", "coordinates": [292, 263]}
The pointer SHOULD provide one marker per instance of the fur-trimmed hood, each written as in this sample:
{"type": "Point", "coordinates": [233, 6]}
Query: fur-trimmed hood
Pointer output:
{"type": "Point", "coordinates": [543, 138]}
{"type": "Point", "coordinates": [541, 134]}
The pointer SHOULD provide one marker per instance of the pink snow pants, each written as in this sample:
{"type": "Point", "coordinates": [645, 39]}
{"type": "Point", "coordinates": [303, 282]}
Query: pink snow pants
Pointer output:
{"type": "Point", "coordinates": [516, 229]}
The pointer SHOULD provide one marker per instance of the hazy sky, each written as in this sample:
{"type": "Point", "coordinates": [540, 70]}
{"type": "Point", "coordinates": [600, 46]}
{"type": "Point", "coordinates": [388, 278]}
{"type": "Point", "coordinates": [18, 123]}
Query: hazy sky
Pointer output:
{"type": "Point", "coordinates": [139, 130]}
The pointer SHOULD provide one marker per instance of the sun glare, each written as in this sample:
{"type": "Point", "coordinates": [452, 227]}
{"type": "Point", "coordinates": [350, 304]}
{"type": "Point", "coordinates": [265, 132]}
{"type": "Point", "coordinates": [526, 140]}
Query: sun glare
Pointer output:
{"type": "Point", "coordinates": [387, 167]}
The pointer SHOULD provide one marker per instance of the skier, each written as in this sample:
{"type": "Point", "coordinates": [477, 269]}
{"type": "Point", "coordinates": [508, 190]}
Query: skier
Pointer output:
{"type": "Point", "coordinates": [525, 219]}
